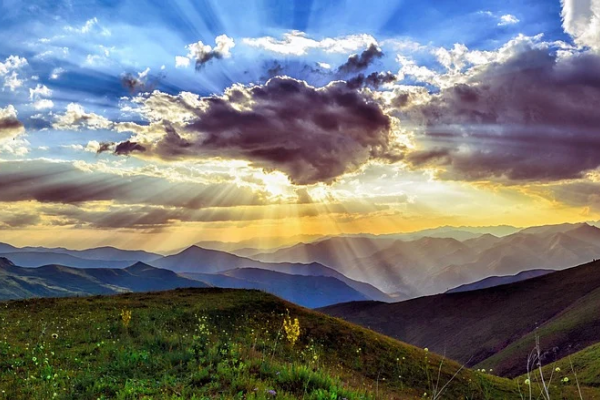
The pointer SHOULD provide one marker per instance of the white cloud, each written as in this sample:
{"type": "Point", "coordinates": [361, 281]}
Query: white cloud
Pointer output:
{"type": "Point", "coordinates": [56, 73]}
{"type": "Point", "coordinates": [43, 104]}
{"type": "Point", "coordinates": [8, 72]}
{"type": "Point", "coordinates": [503, 20]}
{"type": "Point", "coordinates": [581, 20]}
{"type": "Point", "coordinates": [297, 43]}
{"type": "Point", "coordinates": [75, 118]}
{"type": "Point", "coordinates": [182, 62]}
{"type": "Point", "coordinates": [508, 19]}
{"type": "Point", "coordinates": [39, 91]}
{"type": "Point", "coordinates": [90, 25]}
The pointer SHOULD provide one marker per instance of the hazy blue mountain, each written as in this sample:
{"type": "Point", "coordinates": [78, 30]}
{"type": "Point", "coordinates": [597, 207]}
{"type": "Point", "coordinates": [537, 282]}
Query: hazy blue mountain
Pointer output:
{"type": "Point", "coordinates": [106, 253]}
{"type": "Point", "coordinates": [205, 261]}
{"type": "Point", "coordinates": [307, 291]}
{"type": "Point", "coordinates": [57, 280]}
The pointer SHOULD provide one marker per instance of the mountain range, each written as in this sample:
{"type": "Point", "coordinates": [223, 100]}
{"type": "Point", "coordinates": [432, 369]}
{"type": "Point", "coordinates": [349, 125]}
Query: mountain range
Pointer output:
{"type": "Point", "coordinates": [60, 281]}
{"type": "Point", "coordinates": [434, 265]}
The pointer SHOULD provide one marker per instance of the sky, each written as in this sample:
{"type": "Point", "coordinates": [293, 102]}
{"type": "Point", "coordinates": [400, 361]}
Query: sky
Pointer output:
{"type": "Point", "coordinates": [157, 124]}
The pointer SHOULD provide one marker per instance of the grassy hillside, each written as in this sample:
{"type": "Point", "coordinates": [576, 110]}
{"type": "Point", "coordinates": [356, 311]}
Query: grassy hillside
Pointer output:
{"type": "Point", "coordinates": [473, 326]}
{"type": "Point", "coordinates": [214, 343]}
{"type": "Point", "coordinates": [583, 366]}
{"type": "Point", "coordinates": [571, 330]}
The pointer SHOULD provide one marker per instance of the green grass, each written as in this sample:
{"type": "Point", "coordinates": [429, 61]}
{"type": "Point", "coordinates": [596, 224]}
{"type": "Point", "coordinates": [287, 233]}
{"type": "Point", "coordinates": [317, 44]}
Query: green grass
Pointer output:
{"type": "Point", "coordinates": [586, 364]}
{"type": "Point", "coordinates": [573, 329]}
{"type": "Point", "coordinates": [214, 343]}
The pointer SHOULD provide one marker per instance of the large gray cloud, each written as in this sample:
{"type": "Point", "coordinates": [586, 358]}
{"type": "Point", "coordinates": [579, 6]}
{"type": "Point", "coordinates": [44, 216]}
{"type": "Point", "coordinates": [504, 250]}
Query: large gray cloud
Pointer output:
{"type": "Point", "coordinates": [534, 117]}
{"type": "Point", "coordinates": [311, 134]}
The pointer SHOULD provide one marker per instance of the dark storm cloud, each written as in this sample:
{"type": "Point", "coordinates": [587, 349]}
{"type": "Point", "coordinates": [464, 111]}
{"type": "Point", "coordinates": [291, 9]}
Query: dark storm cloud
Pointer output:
{"type": "Point", "coordinates": [48, 182]}
{"type": "Point", "coordinates": [532, 118]}
{"type": "Point", "coordinates": [128, 147]}
{"type": "Point", "coordinates": [104, 147]}
{"type": "Point", "coordinates": [373, 80]}
{"type": "Point", "coordinates": [358, 63]}
{"type": "Point", "coordinates": [9, 124]}
{"type": "Point", "coordinates": [136, 84]}
{"type": "Point", "coordinates": [312, 135]}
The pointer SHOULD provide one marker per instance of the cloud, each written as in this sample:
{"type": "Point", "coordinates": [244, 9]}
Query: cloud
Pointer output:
{"type": "Point", "coordinates": [310, 134]}
{"type": "Point", "coordinates": [358, 63]}
{"type": "Point", "coordinates": [91, 25]}
{"type": "Point", "coordinates": [201, 53]}
{"type": "Point", "coordinates": [373, 80]}
{"type": "Point", "coordinates": [13, 220]}
{"type": "Point", "coordinates": [140, 82]}
{"type": "Point", "coordinates": [127, 147]}
{"type": "Point", "coordinates": [182, 62]}
{"type": "Point", "coordinates": [10, 126]}
{"type": "Point", "coordinates": [43, 104]}
{"type": "Point", "coordinates": [297, 43]}
{"type": "Point", "coordinates": [532, 117]}
{"type": "Point", "coordinates": [581, 20]}
{"type": "Point", "coordinates": [75, 118]}
{"type": "Point", "coordinates": [9, 72]}
{"type": "Point", "coordinates": [66, 183]}
{"type": "Point", "coordinates": [508, 19]}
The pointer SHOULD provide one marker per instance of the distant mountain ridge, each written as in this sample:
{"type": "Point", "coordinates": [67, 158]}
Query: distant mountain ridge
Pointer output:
{"type": "Point", "coordinates": [429, 265]}
{"type": "Point", "coordinates": [494, 281]}
{"type": "Point", "coordinates": [204, 261]}
{"type": "Point", "coordinates": [58, 281]}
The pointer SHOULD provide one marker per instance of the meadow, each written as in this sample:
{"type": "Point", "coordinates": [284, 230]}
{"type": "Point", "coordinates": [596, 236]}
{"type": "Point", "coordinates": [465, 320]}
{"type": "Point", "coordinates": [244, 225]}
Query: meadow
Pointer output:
{"type": "Point", "coordinates": [222, 344]}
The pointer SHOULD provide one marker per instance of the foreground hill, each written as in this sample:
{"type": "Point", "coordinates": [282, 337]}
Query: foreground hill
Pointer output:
{"type": "Point", "coordinates": [495, 327]}
{"type": "Point", "coordinates": [214, 343]}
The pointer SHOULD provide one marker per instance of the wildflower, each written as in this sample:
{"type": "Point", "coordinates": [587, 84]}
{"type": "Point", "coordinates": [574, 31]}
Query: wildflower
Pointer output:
{"type": "Point", "coordinates": [126, 317]}
{"type": "Point", "coordinates": [34, 359]}
{"type": "Point", "coordinates": [557, 369]}
{"type": "Point", "coordinates": [272, 392]}
{"type": "Point", "coordinates": [565, 380]}
{"type": "Point", "coordinates": [527, 382]}
{"type": "Point", "coordinates": [292, 329]}
{"type": "Point", "coordinates": [426, 351]}
{"type": "Point", "coordinates": [55, 336]}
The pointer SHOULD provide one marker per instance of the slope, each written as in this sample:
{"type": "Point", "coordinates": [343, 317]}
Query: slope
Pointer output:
{"type": "Point", "coordinates": [473, 326]}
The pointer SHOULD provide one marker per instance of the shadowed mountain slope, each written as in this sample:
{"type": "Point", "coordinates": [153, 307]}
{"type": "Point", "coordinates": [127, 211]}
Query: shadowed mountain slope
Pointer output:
{"type": "Point", "coordinates": [473, 326]}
